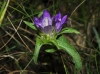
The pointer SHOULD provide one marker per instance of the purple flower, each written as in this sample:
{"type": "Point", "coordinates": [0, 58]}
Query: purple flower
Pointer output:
{"type": "Point", "coordinates": [44, 22]}
{"type": "Point", "coordinates": [59, 21]}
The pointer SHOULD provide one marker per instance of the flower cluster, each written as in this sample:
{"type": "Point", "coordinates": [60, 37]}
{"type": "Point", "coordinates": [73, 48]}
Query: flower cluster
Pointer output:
{"type": "Point", "coordinates": [45, 22]}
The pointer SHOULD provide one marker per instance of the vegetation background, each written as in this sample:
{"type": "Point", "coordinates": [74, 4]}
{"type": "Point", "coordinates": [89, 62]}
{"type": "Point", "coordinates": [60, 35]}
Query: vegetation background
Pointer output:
{"type": "Point", "coordinates": [17, 40]}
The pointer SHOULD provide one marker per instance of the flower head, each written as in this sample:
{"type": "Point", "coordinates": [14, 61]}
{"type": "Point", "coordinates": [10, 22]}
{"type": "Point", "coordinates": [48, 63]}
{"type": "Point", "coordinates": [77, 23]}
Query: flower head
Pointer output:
{"type": "Point", "coordinates": [59, 21]}
{"type": "Point", "coordinates": [44, 22]}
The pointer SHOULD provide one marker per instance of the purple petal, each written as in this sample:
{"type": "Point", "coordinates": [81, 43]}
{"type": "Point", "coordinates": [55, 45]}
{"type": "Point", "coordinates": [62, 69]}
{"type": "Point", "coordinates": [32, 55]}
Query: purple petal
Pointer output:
{"type": "Point", "coordinates": [46, 19]}
{"type": "Point", "coordinates": [41, 18]}
{"type": "Point", "coordinates": [58, 26]}
{"type": "Point", "coordinates": [58, 17]}
{"type": "Point", "coordinates": [37, 22]}
{"type": "Point", "coordinates": [47, 29]}
{"type": "Point", "coordinates": [53, 18]}
{"type": "Point", "coordinates": [64, 19]}
{"type": "Point", "coordinates": [46, 22]}
{"type": "Point", "coordinates": [46, 14]}
{"type": "Point", "coordinates": [49, 21]}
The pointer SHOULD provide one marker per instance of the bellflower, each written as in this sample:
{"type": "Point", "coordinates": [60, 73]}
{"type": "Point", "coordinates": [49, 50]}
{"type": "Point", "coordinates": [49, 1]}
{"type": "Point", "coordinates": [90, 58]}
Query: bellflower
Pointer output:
{"type": "Point", "coordinates": [59, 21]}
{"type": "Point", "coordinates": [44, 22]}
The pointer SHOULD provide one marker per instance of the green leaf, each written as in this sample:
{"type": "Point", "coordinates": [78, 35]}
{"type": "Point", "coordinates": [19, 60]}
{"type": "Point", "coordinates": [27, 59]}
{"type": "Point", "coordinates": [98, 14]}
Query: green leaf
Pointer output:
{"type": "Point", "coordinates": [39, 43]}
{"type": "Point", "coordinates": [40, 13]}
{"type": "Point", "coordinates": [3, 10]}
{"type": "Point", "coordinates": [50, 50]}
{"type": "Point", "coordinates": [69, 30]}
{"type": "Point", "coordinates": [31, 25]}
{"type": "Point", "coordinates": [66, 46]}
{"type": "Point", "coordinates": [54, 41]}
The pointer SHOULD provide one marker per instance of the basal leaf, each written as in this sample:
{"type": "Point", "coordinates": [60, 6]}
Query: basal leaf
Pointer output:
{"type": "Point", "coordinates": [31, 25]}
{"type": "Point", "coordinates": [66, 46]}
